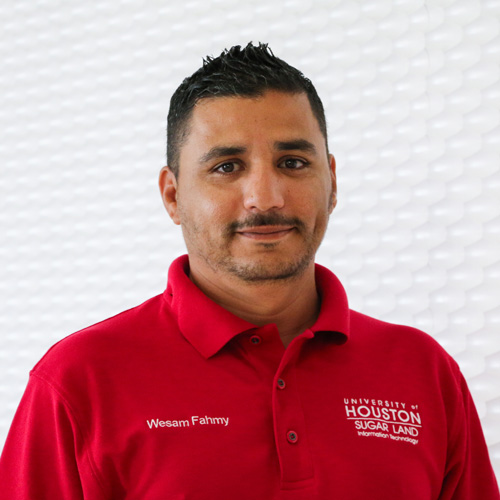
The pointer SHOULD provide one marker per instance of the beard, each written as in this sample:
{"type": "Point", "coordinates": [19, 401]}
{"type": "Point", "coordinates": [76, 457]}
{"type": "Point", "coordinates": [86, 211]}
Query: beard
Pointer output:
{"type": "Point", "coordinates": [262, 268]}
{"type": "Point", "coordinates": [268, 265]}
{"type": "Point", "coordinates": [259, 272]}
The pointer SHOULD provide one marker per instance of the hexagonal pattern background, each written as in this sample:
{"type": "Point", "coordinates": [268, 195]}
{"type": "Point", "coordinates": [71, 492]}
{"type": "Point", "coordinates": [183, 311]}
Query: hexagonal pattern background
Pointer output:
{"type": "Point", "coordinates": [411, 89]}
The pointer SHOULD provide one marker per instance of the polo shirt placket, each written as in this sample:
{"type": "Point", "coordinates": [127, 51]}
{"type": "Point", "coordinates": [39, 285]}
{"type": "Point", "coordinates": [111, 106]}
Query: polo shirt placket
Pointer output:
{"type": "Point", "coordinates": [290, 429]}
{"type": "Point", "coordinates": [269, 356]}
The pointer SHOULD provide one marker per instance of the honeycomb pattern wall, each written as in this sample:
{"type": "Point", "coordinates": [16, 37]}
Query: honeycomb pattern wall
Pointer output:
{"type": "Point", "coordinates": [412, 94]}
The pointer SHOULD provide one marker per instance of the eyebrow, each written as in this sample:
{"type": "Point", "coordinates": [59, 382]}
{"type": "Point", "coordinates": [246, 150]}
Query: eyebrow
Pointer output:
{"type": "Point", "coordinates": [294, 144]}
{"type": "Point", "coordinates": [220, 151]}
{"type": "Point", "coordinates": [298, 144]}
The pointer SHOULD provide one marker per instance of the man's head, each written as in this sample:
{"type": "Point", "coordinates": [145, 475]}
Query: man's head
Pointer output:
{"type": "Point", "coordinates": [252, 184]}
{"type": "Point", "coordinates": [237, 72]}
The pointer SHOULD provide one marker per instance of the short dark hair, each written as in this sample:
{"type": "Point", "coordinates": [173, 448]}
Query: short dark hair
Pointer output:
{"type": "Point", "coordinates": [238, 72]}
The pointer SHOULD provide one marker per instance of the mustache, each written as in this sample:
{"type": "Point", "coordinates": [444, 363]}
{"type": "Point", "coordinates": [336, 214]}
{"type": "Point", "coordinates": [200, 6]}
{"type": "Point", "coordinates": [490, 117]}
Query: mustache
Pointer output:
{"type": "Point", "coordinates": [271, 219]}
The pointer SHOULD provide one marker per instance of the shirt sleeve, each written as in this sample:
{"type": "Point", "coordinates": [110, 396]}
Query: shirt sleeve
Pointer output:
{"type": "Point", "coordinates": [44, 456]}
{"type": "Point", "coordinates": [469, 474]}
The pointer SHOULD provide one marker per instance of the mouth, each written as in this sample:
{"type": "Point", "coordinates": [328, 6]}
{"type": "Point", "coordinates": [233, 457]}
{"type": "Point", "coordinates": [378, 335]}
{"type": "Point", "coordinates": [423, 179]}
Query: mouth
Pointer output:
{"type": "Point", "coordinates": [266, 232]}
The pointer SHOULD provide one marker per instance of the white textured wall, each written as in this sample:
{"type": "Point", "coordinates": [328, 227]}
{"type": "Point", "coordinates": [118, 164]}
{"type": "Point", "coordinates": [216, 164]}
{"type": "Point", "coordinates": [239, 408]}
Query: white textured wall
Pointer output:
{"type": "Point", "coordinates": [412, 95]}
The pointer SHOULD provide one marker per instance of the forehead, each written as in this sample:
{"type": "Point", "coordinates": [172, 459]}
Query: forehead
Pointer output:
{"type": "Point", "coordinates": [244, 121]}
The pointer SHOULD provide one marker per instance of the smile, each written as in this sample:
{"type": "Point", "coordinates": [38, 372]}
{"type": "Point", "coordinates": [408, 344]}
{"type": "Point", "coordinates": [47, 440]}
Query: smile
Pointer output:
{"type": "Point", "coordinates": [266, 232]}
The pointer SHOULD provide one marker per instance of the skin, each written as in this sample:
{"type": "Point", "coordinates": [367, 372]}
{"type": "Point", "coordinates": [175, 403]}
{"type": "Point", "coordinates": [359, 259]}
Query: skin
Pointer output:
{"type": "Point", "coordinates": [253, 196]}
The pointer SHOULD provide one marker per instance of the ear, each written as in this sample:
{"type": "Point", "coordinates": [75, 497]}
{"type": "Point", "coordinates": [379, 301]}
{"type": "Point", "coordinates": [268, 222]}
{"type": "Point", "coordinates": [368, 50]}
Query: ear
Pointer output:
{"type": "Point", "coordinates": [333, 173]}
{"type": "Point", "coordinates": [168, 189]}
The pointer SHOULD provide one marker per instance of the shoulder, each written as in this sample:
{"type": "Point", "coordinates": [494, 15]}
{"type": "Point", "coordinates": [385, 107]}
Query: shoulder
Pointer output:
{"type": "Point", "coordinates": [104, 343]}
{"type": "Point", "coordinates": [401, 341]}
{"type": "Point", "coordinates": [369, 327]}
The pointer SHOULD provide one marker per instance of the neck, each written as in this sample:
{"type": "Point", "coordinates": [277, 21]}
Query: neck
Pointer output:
{"type": "Point", "coordinates": [293, 304]}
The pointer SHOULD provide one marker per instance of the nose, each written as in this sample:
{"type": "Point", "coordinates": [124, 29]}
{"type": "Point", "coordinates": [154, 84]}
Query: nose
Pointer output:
{"type": "Point", "coordinates": [263, 190]}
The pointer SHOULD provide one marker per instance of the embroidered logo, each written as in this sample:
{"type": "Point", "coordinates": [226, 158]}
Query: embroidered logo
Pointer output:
{"type": "Point", "coordinates": [156, 423]}
{"type": "Point", "coordinates": [381, 418]}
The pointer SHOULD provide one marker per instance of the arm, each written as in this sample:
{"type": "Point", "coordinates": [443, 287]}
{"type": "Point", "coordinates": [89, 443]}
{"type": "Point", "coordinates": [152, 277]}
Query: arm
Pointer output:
{"type": "Point", "coordinates": [43, 456]}
{"type": "Point", "coordinates": [468, 475]}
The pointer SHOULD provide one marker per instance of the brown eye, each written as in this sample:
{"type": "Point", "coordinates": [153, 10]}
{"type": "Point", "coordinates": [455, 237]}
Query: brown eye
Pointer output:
{"type": "Point", "coordinates": [293, 163]}
{"type": "Point", "coordinates": [226, 168]}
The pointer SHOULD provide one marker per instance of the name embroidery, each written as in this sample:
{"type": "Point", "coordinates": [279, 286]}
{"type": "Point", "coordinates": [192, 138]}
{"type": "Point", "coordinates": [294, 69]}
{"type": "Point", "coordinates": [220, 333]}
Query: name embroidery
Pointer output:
{"type": "Point", "coordinates": [384, 419]}
{"type": "Point", "coordinates": [155, 423]}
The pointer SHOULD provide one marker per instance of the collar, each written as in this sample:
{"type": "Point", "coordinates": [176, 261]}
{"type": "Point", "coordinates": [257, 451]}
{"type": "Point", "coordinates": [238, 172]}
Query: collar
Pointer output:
{"type": "Point", "coordinates": [209, 327]}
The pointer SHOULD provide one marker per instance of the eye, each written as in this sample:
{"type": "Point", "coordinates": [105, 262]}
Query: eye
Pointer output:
{"type": "Point", "coordinates": [228, 167]}
{"type": "Point", "coordinates": [293, 163]}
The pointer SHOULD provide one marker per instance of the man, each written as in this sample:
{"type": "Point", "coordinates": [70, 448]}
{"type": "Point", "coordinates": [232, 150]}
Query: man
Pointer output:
{"type": "Point", "coordinates": [249, 377]}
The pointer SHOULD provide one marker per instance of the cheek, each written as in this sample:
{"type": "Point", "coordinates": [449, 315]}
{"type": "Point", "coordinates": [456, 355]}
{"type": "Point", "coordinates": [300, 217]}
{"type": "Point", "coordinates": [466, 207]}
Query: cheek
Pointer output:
{"type": "Point", "coordinates": [205, 211]}
{"type": "Point", "coordinates": [214, 214]}
{"type": "Point", "coordinates": [311, 204]}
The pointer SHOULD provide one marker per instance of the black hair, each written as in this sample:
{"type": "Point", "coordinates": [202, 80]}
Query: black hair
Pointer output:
{"type": "Point", "coordinates": [238, 72]}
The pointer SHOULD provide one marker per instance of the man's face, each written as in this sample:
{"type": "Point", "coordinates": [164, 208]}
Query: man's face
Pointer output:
{"type": "Point", "coordinates": [255, 186]}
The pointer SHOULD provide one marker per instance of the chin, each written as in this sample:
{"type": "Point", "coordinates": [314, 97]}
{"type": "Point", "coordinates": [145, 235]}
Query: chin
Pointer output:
{"type": "Point", "coordinates": [264, 271]}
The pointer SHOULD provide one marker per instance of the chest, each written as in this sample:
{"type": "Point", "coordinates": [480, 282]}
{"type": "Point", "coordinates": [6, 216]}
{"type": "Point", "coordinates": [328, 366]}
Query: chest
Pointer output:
{"type": "Point", "coordinates": [302, 430]}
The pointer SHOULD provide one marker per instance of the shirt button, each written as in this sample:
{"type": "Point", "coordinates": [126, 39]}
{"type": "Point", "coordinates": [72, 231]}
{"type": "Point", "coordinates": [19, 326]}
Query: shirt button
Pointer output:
{"type": "Point", "coordinates": [255, 339]}
{"type": "Point", "coordinates": [292, 437]}
{"type": "Point", "coordinates": [281, 383]}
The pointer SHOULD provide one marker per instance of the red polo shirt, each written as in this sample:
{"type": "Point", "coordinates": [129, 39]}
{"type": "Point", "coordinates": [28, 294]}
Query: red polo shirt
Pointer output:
{"type": "Point", "coordinates": [179, 399]}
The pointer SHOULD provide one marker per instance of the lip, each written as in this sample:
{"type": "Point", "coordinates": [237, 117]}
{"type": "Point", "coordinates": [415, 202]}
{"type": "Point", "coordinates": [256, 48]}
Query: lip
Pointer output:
{"type": "Point", "coordinates": [266, 232]}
